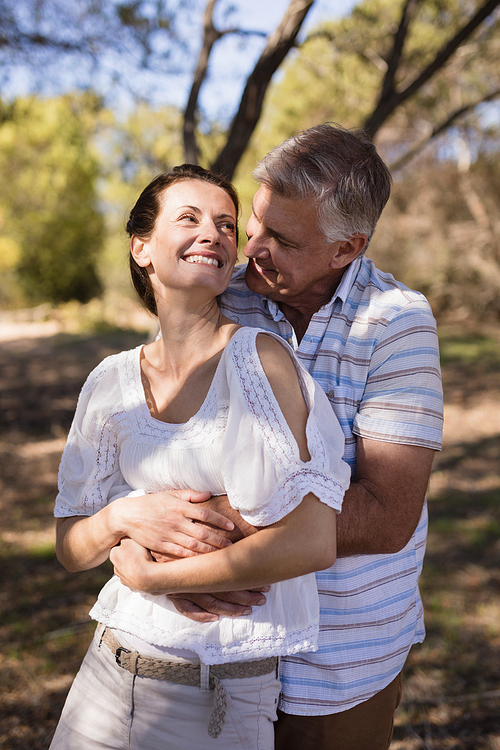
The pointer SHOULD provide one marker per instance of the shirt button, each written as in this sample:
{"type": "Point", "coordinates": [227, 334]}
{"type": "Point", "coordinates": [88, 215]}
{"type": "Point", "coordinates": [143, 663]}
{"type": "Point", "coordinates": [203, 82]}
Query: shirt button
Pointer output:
{"type": "Point", "coordinates": [331, 394]}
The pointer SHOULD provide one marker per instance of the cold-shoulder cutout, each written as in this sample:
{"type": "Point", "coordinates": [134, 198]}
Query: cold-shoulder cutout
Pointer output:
{"type": "Point", "coordinates": [283, 378]}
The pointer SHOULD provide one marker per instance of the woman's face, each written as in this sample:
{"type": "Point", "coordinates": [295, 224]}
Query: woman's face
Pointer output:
{"type": "Point", "coordinates": [194, 241]}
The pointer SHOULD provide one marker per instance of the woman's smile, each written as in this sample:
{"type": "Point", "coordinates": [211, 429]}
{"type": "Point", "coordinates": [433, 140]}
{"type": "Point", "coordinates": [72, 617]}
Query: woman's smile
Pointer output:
{"type": "Point", "coordinates": [207, 260]}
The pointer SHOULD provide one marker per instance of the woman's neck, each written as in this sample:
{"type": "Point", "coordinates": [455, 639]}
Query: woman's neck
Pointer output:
{"type": "Point", "coordinates": [188, 337]}
{"type": "Point", "coordinates": [178, 368]}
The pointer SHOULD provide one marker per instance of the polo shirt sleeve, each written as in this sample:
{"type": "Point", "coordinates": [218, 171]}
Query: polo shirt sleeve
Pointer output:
{"type": "Point", "coordinates": [403, 399]}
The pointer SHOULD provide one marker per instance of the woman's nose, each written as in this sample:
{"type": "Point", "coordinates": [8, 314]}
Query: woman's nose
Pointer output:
{"type": "Point", "coordinates": [209, 233]}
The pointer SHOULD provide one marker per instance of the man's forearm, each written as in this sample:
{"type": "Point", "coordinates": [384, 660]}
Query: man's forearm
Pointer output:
{"type": "Point", "coordinates": [361, 526]}
{"type": "Point", "coordinates": [383, 505]}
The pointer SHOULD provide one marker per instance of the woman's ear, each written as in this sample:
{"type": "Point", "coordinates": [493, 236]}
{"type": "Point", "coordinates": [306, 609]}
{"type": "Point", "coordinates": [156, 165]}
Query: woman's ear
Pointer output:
{"type": "Point", "coordinates": [139, 251]}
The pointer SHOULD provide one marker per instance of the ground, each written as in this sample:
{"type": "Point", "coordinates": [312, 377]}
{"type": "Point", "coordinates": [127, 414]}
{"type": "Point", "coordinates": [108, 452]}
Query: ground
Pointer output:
{"type": "Point", "coordinates": [452, 696]}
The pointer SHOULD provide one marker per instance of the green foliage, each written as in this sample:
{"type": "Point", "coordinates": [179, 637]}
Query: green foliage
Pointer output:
{"type": "Point", "coordinates": [49, 205]}
{"type": "Point", "coordinates": [472, 350]}
{"type": "Point", "coordinates": [337, 73]}
{"type": "Point", "coordinates": [439, 234]}
{"type": "Point", "coordinates": [131, 153]}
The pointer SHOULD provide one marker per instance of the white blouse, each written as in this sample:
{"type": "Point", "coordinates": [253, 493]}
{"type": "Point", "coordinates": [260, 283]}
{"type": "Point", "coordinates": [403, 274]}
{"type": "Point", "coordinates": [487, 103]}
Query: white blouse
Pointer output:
{"type": "Point", "coordinates": [237, 444]}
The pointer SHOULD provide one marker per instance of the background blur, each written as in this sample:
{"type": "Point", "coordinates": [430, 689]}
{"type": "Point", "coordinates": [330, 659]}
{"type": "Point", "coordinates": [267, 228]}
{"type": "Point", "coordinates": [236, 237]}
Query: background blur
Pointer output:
{"type": "Point", "coordinates": [99, 96]}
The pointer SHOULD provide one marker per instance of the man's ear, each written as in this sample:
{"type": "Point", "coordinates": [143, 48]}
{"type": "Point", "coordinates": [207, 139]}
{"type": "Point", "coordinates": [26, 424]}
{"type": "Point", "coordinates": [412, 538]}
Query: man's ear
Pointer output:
{"type": "Point", "coordinates": [345, 251]}
{"type": "Point", "coordinates": [139, 251]}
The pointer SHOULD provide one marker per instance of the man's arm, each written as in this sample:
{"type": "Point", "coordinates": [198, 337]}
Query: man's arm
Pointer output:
{"type": "Point", "coordinates": [380, 512]}
{"type": "Point", "coordinates": [382, 507]}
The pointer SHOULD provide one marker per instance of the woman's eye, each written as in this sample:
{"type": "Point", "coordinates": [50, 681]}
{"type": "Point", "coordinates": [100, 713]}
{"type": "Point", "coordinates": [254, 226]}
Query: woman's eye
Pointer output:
{"type": "Point", "coordinates": [187, 217]}
{"type": "Point", "coordinates": [229, 225]}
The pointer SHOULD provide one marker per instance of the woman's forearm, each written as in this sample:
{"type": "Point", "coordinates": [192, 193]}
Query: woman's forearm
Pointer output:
{"type": "Point", "coordinates": [302, 542]}
{"type": "Point", "coordinates": [161, 521]}
{"type": "Point", "coordinates": [83, 542]}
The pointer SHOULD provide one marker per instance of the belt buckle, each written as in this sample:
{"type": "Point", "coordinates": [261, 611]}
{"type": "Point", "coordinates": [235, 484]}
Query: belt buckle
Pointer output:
{"type": "Point", "coordinates": [119, 651]}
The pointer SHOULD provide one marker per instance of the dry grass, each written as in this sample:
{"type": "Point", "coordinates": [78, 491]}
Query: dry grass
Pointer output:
{"type": "Point", "coordinates": [452, 681]}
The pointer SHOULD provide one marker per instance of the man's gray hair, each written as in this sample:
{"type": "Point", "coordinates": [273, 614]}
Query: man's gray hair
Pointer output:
{"type": "Point", "coordinates": [339, 169]}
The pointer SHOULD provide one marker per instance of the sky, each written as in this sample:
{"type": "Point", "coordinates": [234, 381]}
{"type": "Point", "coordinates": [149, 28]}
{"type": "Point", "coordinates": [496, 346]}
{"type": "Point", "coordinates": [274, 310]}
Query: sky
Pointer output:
{"type": "Point", "coordinates": [233, 58]}
{"type": "Point", "coordinates": [261, 15]}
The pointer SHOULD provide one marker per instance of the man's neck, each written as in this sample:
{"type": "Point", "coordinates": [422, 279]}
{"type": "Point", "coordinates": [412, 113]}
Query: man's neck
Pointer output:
{"type": "Point", "coordinates": [297, 319]}
{"type": "Point", "coordinates": [299, 313]}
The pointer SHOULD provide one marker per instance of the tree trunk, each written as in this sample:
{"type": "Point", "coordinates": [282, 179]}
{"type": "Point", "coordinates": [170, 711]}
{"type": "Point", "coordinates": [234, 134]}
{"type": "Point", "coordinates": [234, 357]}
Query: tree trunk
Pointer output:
{"type": "Point", "coordinates": [210, 36]}
{"type": "Point", "coordinates": [250, 108]}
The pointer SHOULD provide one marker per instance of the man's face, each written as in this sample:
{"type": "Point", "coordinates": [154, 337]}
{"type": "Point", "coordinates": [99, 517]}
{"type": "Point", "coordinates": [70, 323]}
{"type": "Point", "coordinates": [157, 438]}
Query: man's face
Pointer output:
{"type": "Point", "coordinates": [290, 261]}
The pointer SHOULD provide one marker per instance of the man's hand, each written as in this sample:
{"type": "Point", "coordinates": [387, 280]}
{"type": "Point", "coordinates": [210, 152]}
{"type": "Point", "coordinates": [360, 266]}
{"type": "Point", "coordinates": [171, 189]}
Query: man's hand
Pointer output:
{"type": "Point", "coordinates": [220, 505]}
{"type": "Point", "coordinates": [208, 607]}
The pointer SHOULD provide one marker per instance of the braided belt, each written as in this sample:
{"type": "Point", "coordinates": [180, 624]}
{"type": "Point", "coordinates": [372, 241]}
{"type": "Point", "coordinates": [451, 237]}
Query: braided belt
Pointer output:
{"type": "Point", "coordinates": [187, 673]}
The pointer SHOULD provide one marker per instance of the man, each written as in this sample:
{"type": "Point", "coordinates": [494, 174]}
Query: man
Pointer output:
{"type": "Point", "coordinates": [372, 345]}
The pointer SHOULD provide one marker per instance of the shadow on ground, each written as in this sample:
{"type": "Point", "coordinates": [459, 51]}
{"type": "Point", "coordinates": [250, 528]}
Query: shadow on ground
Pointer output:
{"type": "Point", "coordinates": [451, 699]}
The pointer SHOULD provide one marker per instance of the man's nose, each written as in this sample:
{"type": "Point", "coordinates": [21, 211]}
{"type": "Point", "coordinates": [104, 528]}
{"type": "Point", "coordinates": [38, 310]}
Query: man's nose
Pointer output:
{"type": "Point", "coordinates": [256, 246]}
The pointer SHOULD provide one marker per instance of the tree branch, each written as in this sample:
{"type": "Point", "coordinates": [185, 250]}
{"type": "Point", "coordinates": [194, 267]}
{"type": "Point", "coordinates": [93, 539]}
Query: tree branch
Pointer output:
{"type": "Point", "coordinates": [250, 108]}
{"type": "Point", "coordinates": [394, 98]}
{"type": "Point", "coordinates": [22, 41]}
{"type": "Point", "coordinates": [394, 61]}
{"type": "Point", "coordinates": [440, 128]}
{"type": "Point", "coordinates": [210, 36]}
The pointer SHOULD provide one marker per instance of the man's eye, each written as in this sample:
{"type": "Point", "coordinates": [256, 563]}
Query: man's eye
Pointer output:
{"type": "Point", "coordinates": [283, 243]}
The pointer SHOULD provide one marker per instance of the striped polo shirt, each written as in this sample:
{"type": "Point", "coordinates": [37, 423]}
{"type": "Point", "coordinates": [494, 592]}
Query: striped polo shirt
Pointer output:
{"type": "Point", "coordinates": [374, 350]}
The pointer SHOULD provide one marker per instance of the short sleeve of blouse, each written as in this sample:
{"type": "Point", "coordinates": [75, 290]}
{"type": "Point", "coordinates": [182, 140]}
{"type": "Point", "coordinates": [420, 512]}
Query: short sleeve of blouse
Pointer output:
{"type": "Point", "coordinates": [264, 476]}
{"type": "Point", "coordinates": [89, 473]}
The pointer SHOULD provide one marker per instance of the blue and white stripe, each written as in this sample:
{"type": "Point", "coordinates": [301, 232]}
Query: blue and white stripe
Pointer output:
{"type": "Point", "coordinates": [373, 348]}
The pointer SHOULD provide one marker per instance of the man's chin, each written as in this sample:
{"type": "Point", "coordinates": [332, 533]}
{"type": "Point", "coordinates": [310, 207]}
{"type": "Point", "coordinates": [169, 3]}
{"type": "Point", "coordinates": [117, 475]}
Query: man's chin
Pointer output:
{"type": "Point", "coordinates": [255, 282]}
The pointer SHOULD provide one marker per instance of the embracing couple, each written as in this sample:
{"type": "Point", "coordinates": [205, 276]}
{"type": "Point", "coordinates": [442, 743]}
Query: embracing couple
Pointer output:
{"type": "Point", "coordinates": [284, 422]}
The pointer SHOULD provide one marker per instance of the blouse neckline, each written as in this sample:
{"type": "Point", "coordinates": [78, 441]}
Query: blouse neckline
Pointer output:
{"type": "Point", "coordinates": [173, 425]}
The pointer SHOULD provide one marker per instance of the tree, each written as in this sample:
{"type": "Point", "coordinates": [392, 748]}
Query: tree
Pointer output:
{"type": "Point", "coordinates": [405, 74]}
{"type": "Point", "coordinates": [49, 202]}
{"type": "Point", "coordinates": [395, 64]}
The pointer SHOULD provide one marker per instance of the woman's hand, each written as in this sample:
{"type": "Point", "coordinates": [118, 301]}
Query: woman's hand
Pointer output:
{"type": "Point", "coordinates": [132, 564]}
{"type": "Point", "coordinates": [172, 523]}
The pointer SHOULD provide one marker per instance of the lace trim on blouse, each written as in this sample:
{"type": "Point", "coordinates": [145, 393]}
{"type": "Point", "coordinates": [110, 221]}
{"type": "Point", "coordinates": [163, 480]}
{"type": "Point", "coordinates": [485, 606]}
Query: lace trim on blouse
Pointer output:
{"type": "Point", "coordinates": [148, 430]}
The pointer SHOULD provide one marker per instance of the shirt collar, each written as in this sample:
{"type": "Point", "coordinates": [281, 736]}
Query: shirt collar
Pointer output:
{"type": "Point", "coordinates": [341, 293]}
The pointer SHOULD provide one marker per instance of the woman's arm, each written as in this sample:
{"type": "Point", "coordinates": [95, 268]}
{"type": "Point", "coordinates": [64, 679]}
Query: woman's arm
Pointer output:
{"type": "Point", "coordinates": [161, 521]}
{"type": "Point", "coordinates": [301, 542]}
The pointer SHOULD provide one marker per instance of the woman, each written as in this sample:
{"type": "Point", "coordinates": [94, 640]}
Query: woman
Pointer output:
{"type": "Point", "coordinates": [208, 406]}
